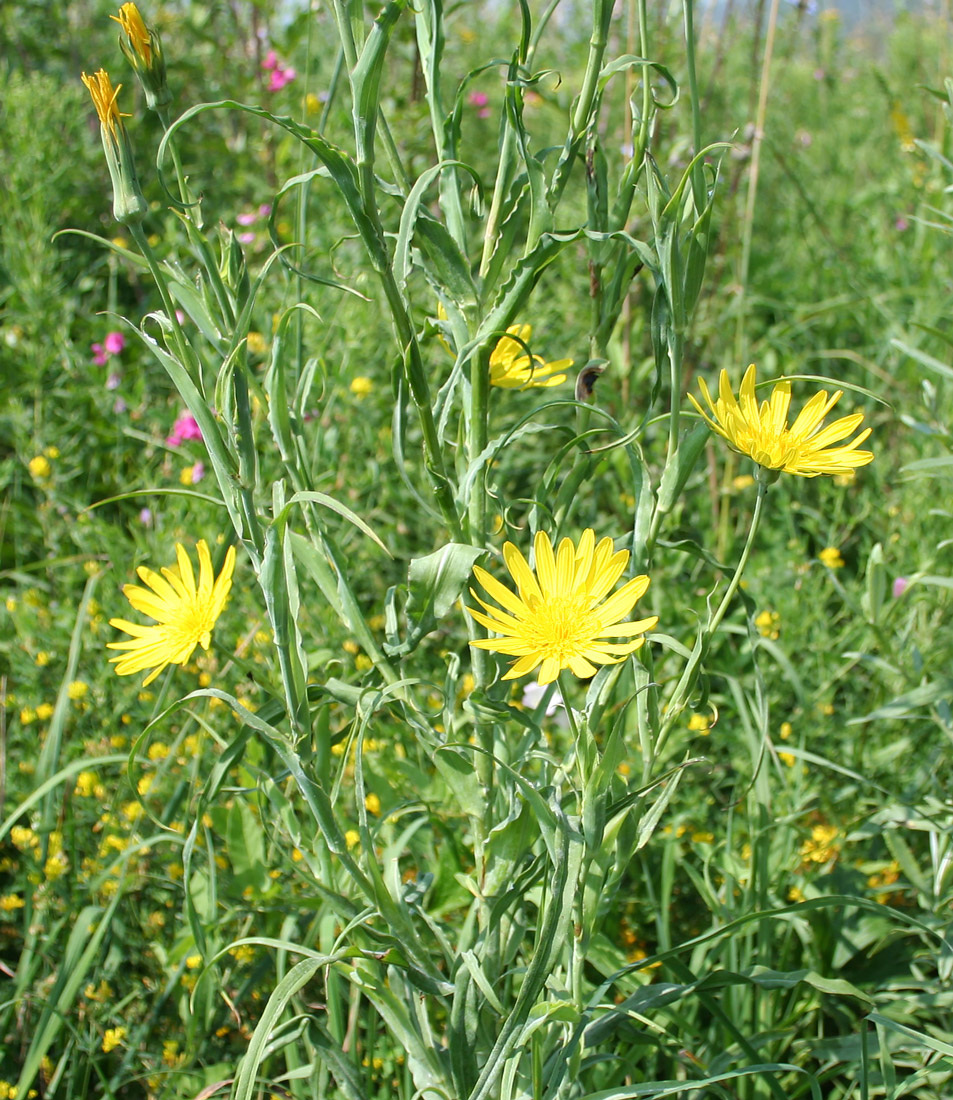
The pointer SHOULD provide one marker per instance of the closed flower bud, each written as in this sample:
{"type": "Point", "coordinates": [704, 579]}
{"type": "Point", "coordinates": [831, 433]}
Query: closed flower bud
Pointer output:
{"type": "Point", "coordinates": [129, 206]}
{"type": "Point", "coordinates": [143, 51]}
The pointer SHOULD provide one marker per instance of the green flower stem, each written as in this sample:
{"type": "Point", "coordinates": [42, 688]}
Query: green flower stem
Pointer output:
{"type": "Point", "coordinates": [193, 227]}
{"type": "Point", "coordinates": [698, 171]}
{"type": "Point", "coordinates": [223, 460]}
{"type": "Point", "coordinates": [504, 176]}
{"type": "Point", "coordinates": [676, 351]}
{"type": "Point", "coordinates": [598, 41]}
{"type": "Point", "coordinates": [690, 673]}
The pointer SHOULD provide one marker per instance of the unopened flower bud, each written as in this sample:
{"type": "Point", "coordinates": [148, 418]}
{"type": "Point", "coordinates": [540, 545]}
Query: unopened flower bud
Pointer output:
{"type": "Point", "coordinates": [143, 51]}
{"type": "Point", "coordinates": [129, 205]}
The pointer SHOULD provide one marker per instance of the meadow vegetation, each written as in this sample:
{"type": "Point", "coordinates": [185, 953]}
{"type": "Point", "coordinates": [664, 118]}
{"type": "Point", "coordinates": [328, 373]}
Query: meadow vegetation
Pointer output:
{"type": "Point", "coordinates": [367, 292]}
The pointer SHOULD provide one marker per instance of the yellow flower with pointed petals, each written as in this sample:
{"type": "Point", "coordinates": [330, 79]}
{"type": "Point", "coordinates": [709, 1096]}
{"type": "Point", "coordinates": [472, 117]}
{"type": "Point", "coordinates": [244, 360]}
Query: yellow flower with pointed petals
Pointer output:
{"type": "Point", "coordinates": [806, 448]}
{"type": "Point", "coordinates": [512, 368]}
{"type": "Point", "coordinates": [143, 51]}
{"type": "Point", "coordinates": [131, 22]}
{"type": "Point", "coordinates": [104, 97]}
{"type": "Point", "coordinates": [184, 614]}
{"type": "Point", "coordinates": [560, 617]}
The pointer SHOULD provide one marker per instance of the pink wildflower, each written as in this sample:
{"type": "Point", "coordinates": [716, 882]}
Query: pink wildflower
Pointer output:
{"type": "Point", "coordinates": [246, 219]}
{"type": "Point", "coordinates": [185, 427]}
{"type": "Point", "coordinates": [198, 472]}
{"type": "Point", "coordinates": [900, 585]}
{"type": "Point", "coordinates": [100, 355]}
{"type": "Point", "coordinates": [114, 342]}
{"type": "Point", "coordinates": [271, 60]}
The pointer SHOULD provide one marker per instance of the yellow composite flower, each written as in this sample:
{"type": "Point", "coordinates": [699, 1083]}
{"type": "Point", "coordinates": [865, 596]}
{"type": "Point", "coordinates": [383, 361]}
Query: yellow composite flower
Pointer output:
{"type": "Point", "coordinates": [560, 617]}
{"type": "Point", "coordinates": [761, 431]}
{"type": "Point", "coordinates": [511, 367]}
{"type": "Point", "coordinates": [184, 614]}
{"type": "Point", "coordinates": [131, 22]}
{"type": "Point", "coordinates": [104, 99]}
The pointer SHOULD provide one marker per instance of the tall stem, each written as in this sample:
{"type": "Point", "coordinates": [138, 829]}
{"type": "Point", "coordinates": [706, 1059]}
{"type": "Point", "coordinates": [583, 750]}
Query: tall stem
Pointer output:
{"type": "Point", "coordinates": [756, 143]}
{"type": "Point", "coordinates": [690, 672]}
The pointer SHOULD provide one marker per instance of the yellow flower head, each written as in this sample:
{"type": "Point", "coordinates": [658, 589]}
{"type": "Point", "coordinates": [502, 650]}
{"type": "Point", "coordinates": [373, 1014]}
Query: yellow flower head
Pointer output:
{"type": "Point", "coordinates": [184, 614]}
{"type": "Point", "coordinates": [131, 22]}
{"type": "Point", "coordinates": [113, 1038]}
{"type": "Point", "coordinates": [40, 467]}
{"type": "Point", "coordinates": [511, 367]}
{"type": "Point", "coordinates": [142, 49]}
{"type": "Point", "coordinates": [831, 557]}
{"type": "Point", "coordinates": [560, 617]}
{"type": "Point", "coordinates": [761, 431]}
{"type": "Point", "coordinates": [104, 97]}
{"type": "Point", "coordinates": [128, 203]}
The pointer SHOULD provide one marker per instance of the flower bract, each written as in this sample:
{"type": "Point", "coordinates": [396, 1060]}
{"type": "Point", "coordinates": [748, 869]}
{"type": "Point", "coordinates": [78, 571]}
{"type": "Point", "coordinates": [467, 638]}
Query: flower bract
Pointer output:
{"type": "Point", "coordinates": [184, 613]}
{"type": "Point", "coordinates": [562, 616]}
{"type": "Point", "coordinates": [512, 367]}
{"type": "Point", "coordinates": [805, 448]}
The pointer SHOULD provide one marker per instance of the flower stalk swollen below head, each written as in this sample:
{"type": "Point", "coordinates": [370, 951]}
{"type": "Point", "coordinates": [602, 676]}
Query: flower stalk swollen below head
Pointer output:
{"type": "Point", "coordinates": [184, 613]}
{"type": "Point", "coordinates": [562, 616]}
{"type": "Point", "coordinates": [129, 205]}
{"type": "Point", "coordinates": [806, 448]}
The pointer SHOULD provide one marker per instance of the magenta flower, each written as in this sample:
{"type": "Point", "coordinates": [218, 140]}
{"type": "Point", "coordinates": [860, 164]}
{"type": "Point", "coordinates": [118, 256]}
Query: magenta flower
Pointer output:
{"type": "Point", "coordinates": [185, 427]}
{"type": "Point", "coordinates": [114, 342]}
{"type": "Point", "coordinates": [246, 219]}
{"type": "Point", "coordinates": [100, 355]}
{"type": "Point", "coordinates": [271, 60]}
{"type": "Point", "coordinates": [279, 78]}
{"type": "Point", "coordinates": [900, 585]}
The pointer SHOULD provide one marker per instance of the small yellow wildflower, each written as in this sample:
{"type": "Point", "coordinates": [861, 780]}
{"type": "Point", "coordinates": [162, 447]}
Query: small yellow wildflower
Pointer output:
{"type": "Point", "coordinates": [7, 1091]}
{"type": "Point", "coordinates": [243, 954]}
{"type": "Point", "coordinates": [699, 723]}
{"type": "Point", "coordinates": [85, 784]}
{"type": "Point", "coordinates": [42, 659]}
{"type": "Point", "coordinates": [10, 902]}
{"type": "Point", "coordinates": [40, 467]}
{"type": "Point", "coordinates": [27, 715]}
{"type": "Point", "coordinates": [193, 962]}
{"type": "Point", "coordinates": [77, 690]}
{"type": "Point", "coordinates": [256, 343]}
{"type": "Point", "coordinates": [831, 557]}
{"type": "Point", "coordinates": [372, 803]}
{"type": "Point", "coordinates": [361, 386]}
{"type": "Point", "coordinates": [44, 711]}
{"type": "Point", "coordinates": [113, 1038]}
{"type": "Point", "coordinates": [820, 848]}
{"type": "Point", "coordinates": [23, 838]}
{"type": "Point", "coordinates": [768, 624]}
